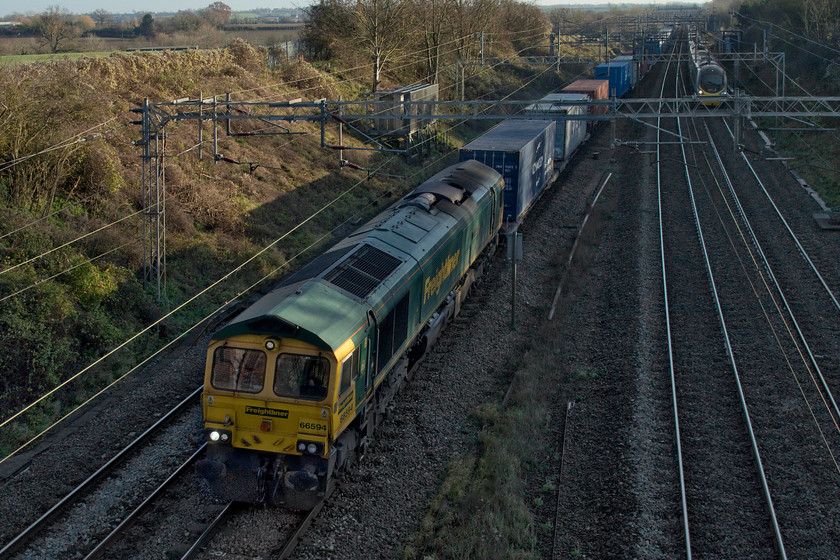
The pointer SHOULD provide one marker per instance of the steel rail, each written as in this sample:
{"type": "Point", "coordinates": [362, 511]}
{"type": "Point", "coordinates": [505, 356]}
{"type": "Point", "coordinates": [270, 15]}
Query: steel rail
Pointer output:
{"type": "Point", "coordinates": [802, 250]}
{"type": "Point", "coordinates": [209, 532]}
{"type": "Point", "coordinates": [298, 534]}
{"type": "Point", "coordinates": [680, 466]}
{"type": "Point", "coordinates": [129, 520]}
{"type": "Point", "coordinates": [769, 269]}
{"type": "Point", "coordinates": [19, 541]}
{"type": "Point", "coordinates": [730, 353]}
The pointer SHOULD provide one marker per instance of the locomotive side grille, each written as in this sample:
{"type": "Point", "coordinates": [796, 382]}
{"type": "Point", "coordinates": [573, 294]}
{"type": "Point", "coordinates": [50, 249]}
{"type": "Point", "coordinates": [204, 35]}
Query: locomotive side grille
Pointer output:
{"type": "Point", "coordinates": [363, 271]}
{"type": "Point", "coordinates": [316, 266]}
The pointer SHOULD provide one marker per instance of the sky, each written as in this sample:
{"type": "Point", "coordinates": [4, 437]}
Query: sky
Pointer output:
{"type": "Point", "coordinates": [87, 6]}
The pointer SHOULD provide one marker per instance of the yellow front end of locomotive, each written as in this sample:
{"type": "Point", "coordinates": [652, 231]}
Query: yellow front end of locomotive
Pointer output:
{"type": "Point", "coordinates": [270, 395]}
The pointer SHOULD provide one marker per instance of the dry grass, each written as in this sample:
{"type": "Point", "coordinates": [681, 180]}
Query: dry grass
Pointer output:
{"type": "Point", "coordinates": [218, 214]}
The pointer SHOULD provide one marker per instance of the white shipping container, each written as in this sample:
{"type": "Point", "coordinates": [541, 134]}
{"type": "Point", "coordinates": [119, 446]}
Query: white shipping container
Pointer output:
{"type": "Point", "coordinates": [570, 133]}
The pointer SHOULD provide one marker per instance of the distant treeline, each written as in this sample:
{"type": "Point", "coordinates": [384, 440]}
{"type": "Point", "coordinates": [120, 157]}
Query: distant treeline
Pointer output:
{"type": "Point", "coordinates": [262, 26]}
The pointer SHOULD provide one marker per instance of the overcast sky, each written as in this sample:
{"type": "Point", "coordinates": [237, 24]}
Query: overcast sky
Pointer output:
{"type": "Point", "coordinates": [87, 6]}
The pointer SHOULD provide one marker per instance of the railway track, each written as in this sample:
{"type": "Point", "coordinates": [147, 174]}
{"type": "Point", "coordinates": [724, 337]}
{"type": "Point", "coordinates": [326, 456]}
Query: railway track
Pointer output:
{"type": "Point", "coordinates": [757, 423]}
{"type": "Point", "coordinates": [71, 513]}
{"type": "Point", "coordinates": [714, 435]}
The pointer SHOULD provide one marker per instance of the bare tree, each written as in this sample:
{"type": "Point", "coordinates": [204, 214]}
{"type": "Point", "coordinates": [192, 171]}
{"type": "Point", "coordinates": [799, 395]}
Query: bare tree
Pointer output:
{"type": "Point", "coordinates": [821, 18]}
{"type": "Point", "coordinates": [325, 26]}
{"type": "Point", "coordinates": [382, 26]}
{"type": "Point", "coordinates": [53, 27]}
{"type": "Point", "coordinates": [102, 17]}
{"type": "Point", "coordinates": [431, 16]}
{"type": "Point", "coordinates": [524, 25]}
{"type": "Point", "coordinates": [469, 18]}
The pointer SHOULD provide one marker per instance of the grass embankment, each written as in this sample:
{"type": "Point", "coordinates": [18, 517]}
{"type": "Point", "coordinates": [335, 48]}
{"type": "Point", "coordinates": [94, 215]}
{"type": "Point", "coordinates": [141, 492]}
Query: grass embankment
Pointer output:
{"type": "Point", "coordinates": [816, 158]}
{"type": "Point", "coordinates": [74, 183]}
{"type": "Point", "coordinates": [487, 503]}
{"type": "Point", "coordinates": [72, 240]}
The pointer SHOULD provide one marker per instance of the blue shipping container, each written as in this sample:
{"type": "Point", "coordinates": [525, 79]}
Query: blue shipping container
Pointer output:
{"type": "Point", "coordinates": [522, 152]}
{"type": "Point", "coordinates": [634, 67]}
{"type": "Point", "coordinates": [618, 73]}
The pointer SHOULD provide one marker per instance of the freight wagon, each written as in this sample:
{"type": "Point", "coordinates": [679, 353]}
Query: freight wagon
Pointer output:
{"type": "Point", "coordinates": [635, 73]}
{"type": "Point", "coordinates": [570, 133]}
{"type": "Point", "coordinates": [596, 90]}
{"type": "Point", "coordinates": [522, 152]}
{"type": "Point", "coordinates": [618, 74]}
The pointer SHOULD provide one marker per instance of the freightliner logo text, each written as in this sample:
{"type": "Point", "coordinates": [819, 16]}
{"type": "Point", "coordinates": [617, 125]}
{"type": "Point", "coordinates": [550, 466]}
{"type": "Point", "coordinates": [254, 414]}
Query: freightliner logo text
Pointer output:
{"type": "Point", "coordinates": [262, 411]}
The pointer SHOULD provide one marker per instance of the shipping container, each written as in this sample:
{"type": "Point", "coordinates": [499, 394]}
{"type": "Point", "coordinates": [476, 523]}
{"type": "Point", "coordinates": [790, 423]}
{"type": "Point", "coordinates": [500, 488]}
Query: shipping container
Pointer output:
{"type": "Point", "coordinates": [569, 133]}
{"type": "Point", "coordinates": [634, 67]}
{"type": "Point", "coordinates": [618, 73]}
{"type": "Point", "coordinates": [521, 150]}
{"type": "Point", "coordinates": [396, 99]}
{"type": "Point", "coordinates": [595, 89]}
{"type": "Point", "coordinates": [653, 45]}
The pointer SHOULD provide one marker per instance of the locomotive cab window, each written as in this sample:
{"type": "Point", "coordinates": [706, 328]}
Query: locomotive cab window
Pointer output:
{"type": "Point", "coordinates": [298, 376]}
{"type": "Point", "coordinates": [237, 369]}
{"type": "Point", "coordinates": [349, 371]}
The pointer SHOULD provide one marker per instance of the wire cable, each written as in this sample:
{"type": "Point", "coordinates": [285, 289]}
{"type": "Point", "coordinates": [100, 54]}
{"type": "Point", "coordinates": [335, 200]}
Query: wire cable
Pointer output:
{"type": "Point", "coordinates": [194, 297]}
{"type": "Point", "coordinates": [180, 337]}
{"type": "Point", "coordinates": [63, 245]}
{"type": "Point", "coordinates": [75, 139]}
{"type": "Point", "coordinates": [183, 304]}
{"type": "Point", "coordinates": [65, 271]}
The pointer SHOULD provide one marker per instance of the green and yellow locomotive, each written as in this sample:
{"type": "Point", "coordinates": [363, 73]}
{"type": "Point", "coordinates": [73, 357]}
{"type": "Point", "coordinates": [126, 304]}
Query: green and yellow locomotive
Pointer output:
{"type": "Point", "coordinates": [295, 384]}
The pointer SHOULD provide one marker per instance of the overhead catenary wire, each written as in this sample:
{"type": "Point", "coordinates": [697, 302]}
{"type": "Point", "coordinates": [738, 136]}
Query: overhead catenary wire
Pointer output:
{"type": "Point", "coordinates": [65, 271]}
{"type": "Point", "coordinates": [46, 253]}
{"type": "Point", "coordinates": [370, 65]}
{"type": "Point", "coordinates": [181, 306]}
{"type": "Point", "coordinates": [75, 139]}
{"type": "Point", "coordinates": [798, 134]}
{"type": "Point", "coordinates": [180, 337]}
{"type": "Point", "coordinates": [797, 35]}
{"type": "Point", "coordinates": [71, 242]}
{"type": "Point", "coordinates": [534, 33]}
{"type": "Point", "coordinates": [56, 212]}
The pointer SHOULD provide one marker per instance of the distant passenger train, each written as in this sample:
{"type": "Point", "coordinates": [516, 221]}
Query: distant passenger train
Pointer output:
{"type": "Point", "coordinates": [707, 76]}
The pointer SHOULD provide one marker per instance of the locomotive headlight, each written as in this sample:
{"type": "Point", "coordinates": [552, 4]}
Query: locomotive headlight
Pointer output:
{"type": "Point", "coordinates": [270, 344]}
{"type": "Point", "coordinates": [310, 448]}
{"type": "Point", "coordinates": [216, 436]}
